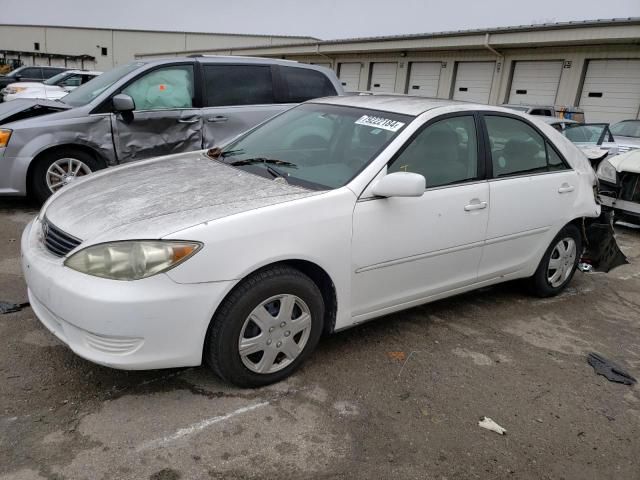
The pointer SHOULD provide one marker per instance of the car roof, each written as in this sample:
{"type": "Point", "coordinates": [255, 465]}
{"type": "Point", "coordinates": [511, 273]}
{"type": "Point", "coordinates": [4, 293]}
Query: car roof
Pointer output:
{"type": "Point", "coordinates": [551, 120]}
{"type": "Point", "coordinates": [229, 59]}
{"type": "Point", "coordinates": [85, 72]}
{"type": "Point", "coordinates": [402, 104]}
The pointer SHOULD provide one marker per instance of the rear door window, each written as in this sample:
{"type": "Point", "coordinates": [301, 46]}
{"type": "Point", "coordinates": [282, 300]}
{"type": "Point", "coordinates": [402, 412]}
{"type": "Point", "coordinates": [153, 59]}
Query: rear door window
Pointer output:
{"type": "Point", "coordinates": [227, 85]}
{"type": "Point", "coordinates": [518, 149]}
{"type": "Point", "coordinates": [302, 84]}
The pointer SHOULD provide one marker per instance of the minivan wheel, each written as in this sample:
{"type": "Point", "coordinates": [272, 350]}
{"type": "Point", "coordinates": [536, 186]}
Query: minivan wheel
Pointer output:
{"type": "Point", "coordinates": [58, 169]}
{"type": "Point", "coordinates": [266, 327]}
{"type": "Point", "coordinates": [559, 263]}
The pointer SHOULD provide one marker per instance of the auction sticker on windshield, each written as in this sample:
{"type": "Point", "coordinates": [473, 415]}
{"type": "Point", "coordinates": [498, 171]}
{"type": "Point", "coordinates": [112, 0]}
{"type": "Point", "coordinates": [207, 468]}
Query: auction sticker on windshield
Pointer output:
{"type": "Point", "coordinates": [380, 122]}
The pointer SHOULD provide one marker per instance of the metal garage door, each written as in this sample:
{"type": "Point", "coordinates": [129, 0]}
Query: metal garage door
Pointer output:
{"type": "Point", "coordinates": [611, 90]}
{"type": "Point", "coordinates": [349, 75]}
{"type": "Point", "coordinates": [473, 81]}
{"type": "Point", "coordinates": [424, 78]}
{"type": "Point", "coordinates": [383, 77]}
{"type": "Point", "coordinates": [535, 83]}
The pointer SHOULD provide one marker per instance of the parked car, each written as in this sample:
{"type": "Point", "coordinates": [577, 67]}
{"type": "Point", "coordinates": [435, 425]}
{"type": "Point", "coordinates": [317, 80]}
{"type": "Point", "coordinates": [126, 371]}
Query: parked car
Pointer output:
{"type": "Point", "coordinates": [594, 139]}
{"type": "Point", "coordinates": [333, 213]}
{"type": "Point", "coordinates": [627, 135]}
{"type": "Point", "coordinates": [29, 74]}
{"type": "Point", "coordinates": [53, 88]}
{"type": "Point", "coordinates": [146, 109]}
{"type": "Point", "coordinates": [569, 113]}
{"type": "Point", "coordinates": [620, 185]}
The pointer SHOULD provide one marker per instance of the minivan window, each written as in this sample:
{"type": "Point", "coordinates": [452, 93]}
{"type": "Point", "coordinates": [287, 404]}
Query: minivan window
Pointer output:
{"type": "Point", "coordinates": [302, 84]}
{"type": "Point", "coordinates": [517, 148]}
{"type": "Point", "coordinates": [238, 85]}
{"type": "Point", "coordinates": [50, 72]}
{"type": "Point", "coordinates": [86, 93]}
{"type": "Point", "coordinates": [163, 88]}
{"type": "Point", "coordinates": [31, 73]}
{"type": "Point", "coordinates": [445, 152]}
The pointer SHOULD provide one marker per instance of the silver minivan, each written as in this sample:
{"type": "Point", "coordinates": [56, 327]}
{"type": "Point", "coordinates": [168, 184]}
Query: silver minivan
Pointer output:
{"type": "Point", "coordinates": [146, 109]}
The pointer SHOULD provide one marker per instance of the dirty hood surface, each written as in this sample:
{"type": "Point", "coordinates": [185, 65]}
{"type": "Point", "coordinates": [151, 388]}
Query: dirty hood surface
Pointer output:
{"type": "Point", "coordinates": [27, 107]}
{"type": "Point", "coordinates": [154, 198]}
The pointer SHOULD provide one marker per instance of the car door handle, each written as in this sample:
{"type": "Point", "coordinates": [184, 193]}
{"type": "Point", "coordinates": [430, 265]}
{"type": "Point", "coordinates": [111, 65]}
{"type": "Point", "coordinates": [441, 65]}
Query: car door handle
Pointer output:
{"type": "Point", "coordinates": [217, 118]}
{"type": "Point", "coordinates": [188, 120]}
{"type": "Point", "coordinates": [475, 206]}
{"type": "Point", "coordinates": [566, 188]}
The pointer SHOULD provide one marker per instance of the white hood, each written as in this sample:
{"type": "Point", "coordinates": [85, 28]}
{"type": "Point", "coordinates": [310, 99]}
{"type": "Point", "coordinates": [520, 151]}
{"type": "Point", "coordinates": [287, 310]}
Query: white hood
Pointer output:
{"type": "Point", "coordinates": [627, 162]}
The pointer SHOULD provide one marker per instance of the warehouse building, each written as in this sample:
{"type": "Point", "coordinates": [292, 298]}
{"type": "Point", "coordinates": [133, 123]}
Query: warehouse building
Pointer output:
{"type": "Point", "coordinates": [103, 49]}
{"type": "Point", "coordinates": [592, 64]}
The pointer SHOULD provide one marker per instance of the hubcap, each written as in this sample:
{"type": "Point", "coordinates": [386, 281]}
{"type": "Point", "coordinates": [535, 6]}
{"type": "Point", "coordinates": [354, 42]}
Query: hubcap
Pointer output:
{"type": "Point", "coordinates": [64, 171]}
{"type": "Point", "coordinates": [561, 262]}
{"type": "Point", "coordinates": [274, 334]}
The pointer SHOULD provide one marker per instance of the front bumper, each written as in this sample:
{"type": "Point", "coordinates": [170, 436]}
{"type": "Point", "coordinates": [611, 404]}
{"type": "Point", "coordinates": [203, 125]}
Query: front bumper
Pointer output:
{"type": "Point", "coordinates": [625, 207]}
{"type": "Point", "coordinates": [142, 324]}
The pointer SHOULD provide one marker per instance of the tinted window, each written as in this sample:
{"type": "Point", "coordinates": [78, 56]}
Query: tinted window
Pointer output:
{"type": "Point", "coordinates": [301, 84]}
{"type": "Point", "coordinates": [164, 88]}
{"type": "Point", "coordinates": [31, 73]}
{"type": "Point", "coordinates": [238, 85]}
{"type": "Point", "coordinates": [517, 148]}
{"type": "Point", "coordinates": [445, 152]}
{"type": "Point", "coordinates": [50, 72]}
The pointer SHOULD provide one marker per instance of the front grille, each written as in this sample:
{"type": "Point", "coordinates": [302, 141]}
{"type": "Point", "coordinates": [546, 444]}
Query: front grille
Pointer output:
{"type": "Point", "coordinates": [629, 187]}
{"type": "Point", "coordinates": [56, 241]}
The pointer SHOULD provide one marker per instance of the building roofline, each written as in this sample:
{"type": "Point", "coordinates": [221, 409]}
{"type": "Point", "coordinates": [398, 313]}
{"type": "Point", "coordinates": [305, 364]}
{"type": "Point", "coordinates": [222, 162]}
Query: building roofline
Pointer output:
{"type": "Point", "coordinates": [629, 21]}
{"type": "Point", "coordinates": [258, 35]}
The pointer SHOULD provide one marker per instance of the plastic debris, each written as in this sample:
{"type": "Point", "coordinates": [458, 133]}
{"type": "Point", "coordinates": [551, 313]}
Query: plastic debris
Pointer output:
{"type": "Point", "coordinates": [585, 267]}
{"type": "Point", "coordinates": [6, 307]}
{"type": "Point", "coordinates": [610, 370]}
{"type": "Point", "coordinates": [398, 356]}
{"type": "Point", "coordinates": [489, 424]}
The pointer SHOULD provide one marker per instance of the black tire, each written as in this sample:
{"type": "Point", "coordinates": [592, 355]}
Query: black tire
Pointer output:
{"type": "Point", "coordinates": [221, 351]}
{"type": "Point", "coordinates": [38, 187]}
{"type": "Point", "coordinates": [539, 282]}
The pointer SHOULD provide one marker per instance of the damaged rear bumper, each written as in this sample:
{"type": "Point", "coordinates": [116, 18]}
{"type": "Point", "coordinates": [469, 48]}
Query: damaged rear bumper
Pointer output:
{"type": "Point", "coordinates": [601, 248]}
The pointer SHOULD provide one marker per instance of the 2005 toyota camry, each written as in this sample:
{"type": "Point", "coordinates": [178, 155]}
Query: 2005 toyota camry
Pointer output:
{"type": "Point", "coordinates": [330, 214]}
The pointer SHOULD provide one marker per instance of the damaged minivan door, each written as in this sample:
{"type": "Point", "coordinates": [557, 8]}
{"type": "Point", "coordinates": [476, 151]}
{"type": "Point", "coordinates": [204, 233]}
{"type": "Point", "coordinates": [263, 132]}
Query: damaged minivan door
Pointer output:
{"type": "Point", "coordinates": [162, 120]}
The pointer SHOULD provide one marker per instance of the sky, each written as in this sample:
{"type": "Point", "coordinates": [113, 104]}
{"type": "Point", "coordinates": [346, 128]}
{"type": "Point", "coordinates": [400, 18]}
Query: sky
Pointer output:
{"type": "Point", "coordinates": [325, 19]}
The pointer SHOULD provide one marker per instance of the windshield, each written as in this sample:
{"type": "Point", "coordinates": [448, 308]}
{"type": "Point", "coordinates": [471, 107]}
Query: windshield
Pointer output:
{"type": "Point", "coordinates": [57, 78]}
{"type": "Point", "coordinates": [627, 128]}
{"type": "Point", "coordinates": [315, 146]}
{"type": "Point", "coordinates": [90, 90]}
{"type": "Point", "coordinates": [593, 133]}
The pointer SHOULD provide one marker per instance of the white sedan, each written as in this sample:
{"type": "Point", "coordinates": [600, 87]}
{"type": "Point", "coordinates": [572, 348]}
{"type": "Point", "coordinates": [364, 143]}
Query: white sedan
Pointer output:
{"type": "Point", "coordinates": [333, 213]}
{"type": "Point", "coordinates": [51, 89]}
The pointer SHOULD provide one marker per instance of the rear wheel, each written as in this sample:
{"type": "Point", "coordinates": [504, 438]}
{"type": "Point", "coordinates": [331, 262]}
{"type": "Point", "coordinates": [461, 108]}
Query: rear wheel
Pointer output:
{"type": "Point", "coordinates": [265, 328]}
{"type": "Point", "coordinates": [60, 168]}
{"type": "Point", "coordinates": [559, 263]}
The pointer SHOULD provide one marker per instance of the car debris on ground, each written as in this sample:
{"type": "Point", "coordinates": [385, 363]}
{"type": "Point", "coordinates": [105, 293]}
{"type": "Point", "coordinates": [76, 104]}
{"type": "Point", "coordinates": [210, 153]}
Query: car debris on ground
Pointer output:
{"type": "Point", "coordinates": [489, 424]}
{"type": "Point", "coordinates": [610, 370]}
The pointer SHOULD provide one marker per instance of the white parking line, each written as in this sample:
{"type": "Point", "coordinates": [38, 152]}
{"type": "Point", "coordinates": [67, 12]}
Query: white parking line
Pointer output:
{"type": "Point", "coordinates": [198, 427]}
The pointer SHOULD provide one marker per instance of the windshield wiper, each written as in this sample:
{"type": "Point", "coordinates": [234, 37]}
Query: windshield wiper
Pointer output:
{"type": "Point", "coordinates": [271, 161]}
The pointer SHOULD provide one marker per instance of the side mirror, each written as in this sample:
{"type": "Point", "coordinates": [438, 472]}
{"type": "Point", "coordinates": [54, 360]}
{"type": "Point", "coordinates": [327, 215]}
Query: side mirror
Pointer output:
{"type": "Point", "coordinates": [400, 184]}
{"type": "Point", "coordinates": [123, 103]}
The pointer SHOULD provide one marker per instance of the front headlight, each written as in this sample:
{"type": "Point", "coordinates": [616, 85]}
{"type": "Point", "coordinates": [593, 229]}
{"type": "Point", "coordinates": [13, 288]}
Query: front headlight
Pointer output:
{"type": "Point", "coordinates": [607, 172]}
{"type": "Point", "coordinates": [5, 135]}
{"type": "Point", "coordinates": [131, 260]}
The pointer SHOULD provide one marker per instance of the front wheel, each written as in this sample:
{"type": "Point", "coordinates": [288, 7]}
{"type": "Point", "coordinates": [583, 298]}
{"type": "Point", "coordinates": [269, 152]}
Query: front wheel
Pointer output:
{"type": "Point", "coordinates": [559, 263]}
{"type": "Point", "coordinates": [58, 169]}
{"type": "Point", "coordinates": [265, 328]}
